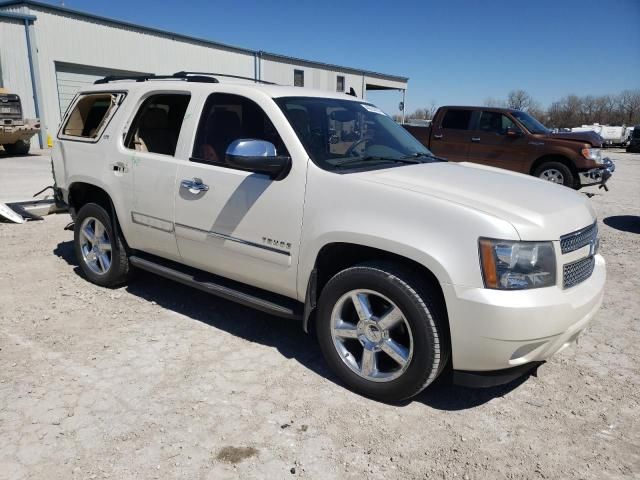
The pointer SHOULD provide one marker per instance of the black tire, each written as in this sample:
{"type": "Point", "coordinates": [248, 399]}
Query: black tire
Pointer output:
{"type": "Point", "coordinates": [19, 148]}
{"type": "Point", "coordinates": [423, 311]}
{"type": "Point", "coordinates": [568, 179]}
{"type": "Point", "coordinates": [116, 273]}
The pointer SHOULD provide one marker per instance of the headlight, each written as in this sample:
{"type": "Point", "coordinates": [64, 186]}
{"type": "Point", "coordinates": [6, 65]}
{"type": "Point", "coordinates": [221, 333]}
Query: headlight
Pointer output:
{"type": "Point", "coordinates": [509, 265]}
{"type": "Point", "coordinates": [594, 154]}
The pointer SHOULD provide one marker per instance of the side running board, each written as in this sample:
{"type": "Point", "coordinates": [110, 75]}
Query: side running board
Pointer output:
{"type": "Point", "coordinates": [236, 292]}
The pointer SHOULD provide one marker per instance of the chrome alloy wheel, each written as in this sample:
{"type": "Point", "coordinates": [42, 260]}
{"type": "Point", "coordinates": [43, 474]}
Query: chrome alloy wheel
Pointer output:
{"type": "Point", "coordinates": [371, 335]}
{"type": "Point", "coordinates": [95, 245]}
{"type": "Point", "coordinates": [552, 175]}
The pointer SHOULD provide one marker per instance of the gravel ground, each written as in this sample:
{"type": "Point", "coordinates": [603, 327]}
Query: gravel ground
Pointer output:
{"type": "Point", "coordinates": [154, 380]}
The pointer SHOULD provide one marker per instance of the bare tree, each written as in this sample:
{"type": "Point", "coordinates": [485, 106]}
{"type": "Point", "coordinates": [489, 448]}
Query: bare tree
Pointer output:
{"type": "Point", "coordinates": [629, 106]}
{"type": "Point", "coordinates": [431, 111]}
{"type": "Point", "coordinates": [519, 100]}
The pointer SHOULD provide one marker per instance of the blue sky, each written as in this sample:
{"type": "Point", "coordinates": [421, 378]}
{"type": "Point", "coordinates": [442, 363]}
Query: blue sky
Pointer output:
{"type": "Point", "coordinates": [455, 52]}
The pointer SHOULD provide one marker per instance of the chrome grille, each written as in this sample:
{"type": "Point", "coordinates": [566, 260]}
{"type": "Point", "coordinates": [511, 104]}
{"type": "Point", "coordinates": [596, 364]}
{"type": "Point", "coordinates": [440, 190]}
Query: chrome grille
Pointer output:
{"type": "Point", "coordinates": [578, 239]}
{"type": "Point", "coordinates": [577, 272]}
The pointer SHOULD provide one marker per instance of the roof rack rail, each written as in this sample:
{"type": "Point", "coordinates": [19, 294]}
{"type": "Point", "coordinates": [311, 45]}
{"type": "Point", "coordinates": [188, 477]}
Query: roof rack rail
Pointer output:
{"type": "Point", "coordinates": [151, 76]}
{"type": "Point", "coordinates": [191, 74]}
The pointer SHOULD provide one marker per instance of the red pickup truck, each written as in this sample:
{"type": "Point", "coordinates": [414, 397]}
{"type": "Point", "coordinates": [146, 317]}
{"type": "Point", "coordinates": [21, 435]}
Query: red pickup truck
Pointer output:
{"type": "Point", "coordinates": [512, 139]}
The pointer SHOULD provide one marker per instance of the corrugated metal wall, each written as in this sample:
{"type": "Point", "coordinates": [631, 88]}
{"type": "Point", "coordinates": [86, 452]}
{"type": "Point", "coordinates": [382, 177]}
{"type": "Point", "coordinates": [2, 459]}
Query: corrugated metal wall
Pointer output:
{"type": "Point", "coordinates": [94, 48]}
{"type": "Point", "coordinates": [70, 79]}
{"type": "Point", "coordinates": [14, 62]}
{"type": "Point", "coordinates": [65, 39]}
{"type": "Point", "coordinates": [281, 71]}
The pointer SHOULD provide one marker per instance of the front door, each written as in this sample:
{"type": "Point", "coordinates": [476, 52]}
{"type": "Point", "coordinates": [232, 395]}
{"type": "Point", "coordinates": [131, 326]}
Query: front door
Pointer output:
{"type": "Point", "coordinates": [490, 144]}
{"type": "Point", "coordinates": [240, 224]}
{"type": "Point", "coordinates": [450, 137]}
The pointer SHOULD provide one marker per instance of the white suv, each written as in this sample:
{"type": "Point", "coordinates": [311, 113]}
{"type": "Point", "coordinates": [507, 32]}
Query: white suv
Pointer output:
{"type": "Point", "coordinates": [320, 207]}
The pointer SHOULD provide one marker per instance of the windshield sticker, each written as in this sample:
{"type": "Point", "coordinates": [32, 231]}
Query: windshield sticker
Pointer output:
{"type": "Point", "coordinates": [372, 109]}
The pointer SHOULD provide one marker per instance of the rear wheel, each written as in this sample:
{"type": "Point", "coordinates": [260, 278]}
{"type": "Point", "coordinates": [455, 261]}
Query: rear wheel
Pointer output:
{"type": "Point", "coordinates": [20, 147]}
{"type": "Point", "coordinates": [555, 172]}
{"type": "Point", "coordinates": [100, 253]}
{"type": "Point", "coordinates": [382, 331]}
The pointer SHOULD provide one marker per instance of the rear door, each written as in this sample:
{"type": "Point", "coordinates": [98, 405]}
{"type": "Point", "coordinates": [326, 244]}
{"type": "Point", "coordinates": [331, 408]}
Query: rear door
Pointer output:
{"type": "Point", "coordinates": [490, 145]}
{"type": "Point", "coordinates": [148, 155]}
{"type": "Point", "coordinates": [450, 136]}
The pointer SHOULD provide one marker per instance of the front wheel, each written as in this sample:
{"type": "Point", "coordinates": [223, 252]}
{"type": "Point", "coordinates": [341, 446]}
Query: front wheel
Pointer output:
{"type": "Point", "coordinates": [382, 331]}
{"type": "Point", "coordinates": [20, 147]}
{"type": "Point", "coordinates": [555, 172]}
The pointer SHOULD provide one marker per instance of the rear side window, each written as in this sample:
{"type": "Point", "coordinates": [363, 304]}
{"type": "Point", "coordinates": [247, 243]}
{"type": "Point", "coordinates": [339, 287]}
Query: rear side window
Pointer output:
{"type": "Point", "coordinates": [457, 119]}
{"type": "Point", "coordinates": [90, 115]}
{"type": "Point", "coordinates": [156, 126]}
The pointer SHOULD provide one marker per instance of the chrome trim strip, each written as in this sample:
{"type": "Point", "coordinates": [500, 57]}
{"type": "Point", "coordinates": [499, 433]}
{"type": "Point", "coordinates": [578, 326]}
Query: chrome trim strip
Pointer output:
{"type": "Point", "coordinates": [236, 239]}
{"type": "Point", "coordinates": [144, 224]}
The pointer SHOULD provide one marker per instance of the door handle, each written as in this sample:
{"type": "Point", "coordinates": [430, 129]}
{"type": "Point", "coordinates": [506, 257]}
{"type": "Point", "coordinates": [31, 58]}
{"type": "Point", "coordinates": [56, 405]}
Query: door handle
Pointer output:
{"type": "Point", "coordinates": [194, 185]}
{"type": "Point", "coordinates": [475, 139]}
{"type": "Point", "coordinates": [119, 168]}
{"type": "Point", "coordinates": [437, 136]}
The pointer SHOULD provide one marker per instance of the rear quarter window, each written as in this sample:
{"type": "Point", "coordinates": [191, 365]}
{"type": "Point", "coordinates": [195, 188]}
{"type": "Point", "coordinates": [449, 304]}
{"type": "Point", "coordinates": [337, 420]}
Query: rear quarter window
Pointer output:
{"type": "Point", "coordinates": [90, 115]}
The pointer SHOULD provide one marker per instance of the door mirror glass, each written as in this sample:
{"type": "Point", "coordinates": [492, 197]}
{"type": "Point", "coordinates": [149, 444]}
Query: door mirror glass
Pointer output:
{"type": "Point", "coordinates": [257, 156]}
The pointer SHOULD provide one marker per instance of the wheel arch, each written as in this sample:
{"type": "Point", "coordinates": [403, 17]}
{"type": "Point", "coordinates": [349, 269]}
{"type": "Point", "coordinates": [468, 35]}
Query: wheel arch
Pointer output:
{"type": "Point", "coordinates": [81, 193]}
{"type": "Point", "coordinates": [554, 157]}
{"type": "Point", "coordinates": [336, 256]}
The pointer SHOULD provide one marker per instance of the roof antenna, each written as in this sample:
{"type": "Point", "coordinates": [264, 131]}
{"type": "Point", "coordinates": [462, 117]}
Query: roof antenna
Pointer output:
{"type": "Point", "coordinates": [352, 92]}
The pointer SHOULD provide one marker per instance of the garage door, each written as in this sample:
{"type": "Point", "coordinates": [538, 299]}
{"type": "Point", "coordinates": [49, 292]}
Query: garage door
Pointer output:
{"type": "Point", "coordinates": [73, 78]}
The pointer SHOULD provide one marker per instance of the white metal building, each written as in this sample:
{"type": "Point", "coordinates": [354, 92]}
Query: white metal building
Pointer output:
{"type": "Point", "coordinates": [48, 53]}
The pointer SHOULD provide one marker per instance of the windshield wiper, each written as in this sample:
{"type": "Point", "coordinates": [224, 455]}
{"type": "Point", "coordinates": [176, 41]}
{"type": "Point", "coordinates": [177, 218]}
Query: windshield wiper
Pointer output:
{"type": "Point", "coordinates": [369, 158]}
{"type": "Point", "coordinates": [425, 155]}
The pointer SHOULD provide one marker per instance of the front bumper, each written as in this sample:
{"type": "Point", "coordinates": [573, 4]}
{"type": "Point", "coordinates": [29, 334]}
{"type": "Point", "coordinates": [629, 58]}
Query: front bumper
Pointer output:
{"type": "Point", "coordinates": [598, 176]}
{"type": "Point", "coordinates": [496, 330]}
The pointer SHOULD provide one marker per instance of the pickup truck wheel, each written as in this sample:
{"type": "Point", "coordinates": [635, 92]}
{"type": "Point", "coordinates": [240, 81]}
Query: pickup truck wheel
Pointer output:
{"type": "Point", "coordinates": [381, 331]}
{"type": "Point", "coordinates": [555, 172]}
{"type": "Point", "coordinates": [101, 255]}
{"type": "Point", "coordinates": [18, 148]}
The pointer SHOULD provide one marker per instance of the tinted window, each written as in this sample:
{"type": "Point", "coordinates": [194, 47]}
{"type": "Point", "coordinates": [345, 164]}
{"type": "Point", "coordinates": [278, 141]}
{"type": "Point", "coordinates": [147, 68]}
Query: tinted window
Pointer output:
{"type": "Point", "coordinates": [298, 78]}
{"type": "Point", "coordinates": [90, 114]}
{"type": "Point", "coordinates": [156, 126]}
{"type": "Point", "coordinates": [494, 122]}
{"type": "Point", "coordinates": [457, 119]}
{"type": "Point", "coordinates": [226, 118]}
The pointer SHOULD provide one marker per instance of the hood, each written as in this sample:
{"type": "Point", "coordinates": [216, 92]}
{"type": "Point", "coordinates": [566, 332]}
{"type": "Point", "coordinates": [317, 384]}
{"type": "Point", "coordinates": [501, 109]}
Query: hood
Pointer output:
{"type": "Point", "coordinates": [591, 138]}
{"type": "Point", "coordinates": [538, 210]}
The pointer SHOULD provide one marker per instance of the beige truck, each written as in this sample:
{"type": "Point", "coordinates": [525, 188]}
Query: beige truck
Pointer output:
{"type": "Point", "coordinates": [15, 131]}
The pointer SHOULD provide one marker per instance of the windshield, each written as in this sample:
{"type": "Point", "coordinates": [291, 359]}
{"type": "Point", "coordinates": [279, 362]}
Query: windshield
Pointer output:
{"type": "Point", "coordinates": [342, 133]}
{"type": "Point", "coordinates": [530, 123]}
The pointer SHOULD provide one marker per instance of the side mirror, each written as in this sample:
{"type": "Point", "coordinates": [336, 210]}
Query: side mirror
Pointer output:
{"type": "Point", "coordinates": [258, 156]}
{"type": "Point", "coordinates": [513, 132]}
